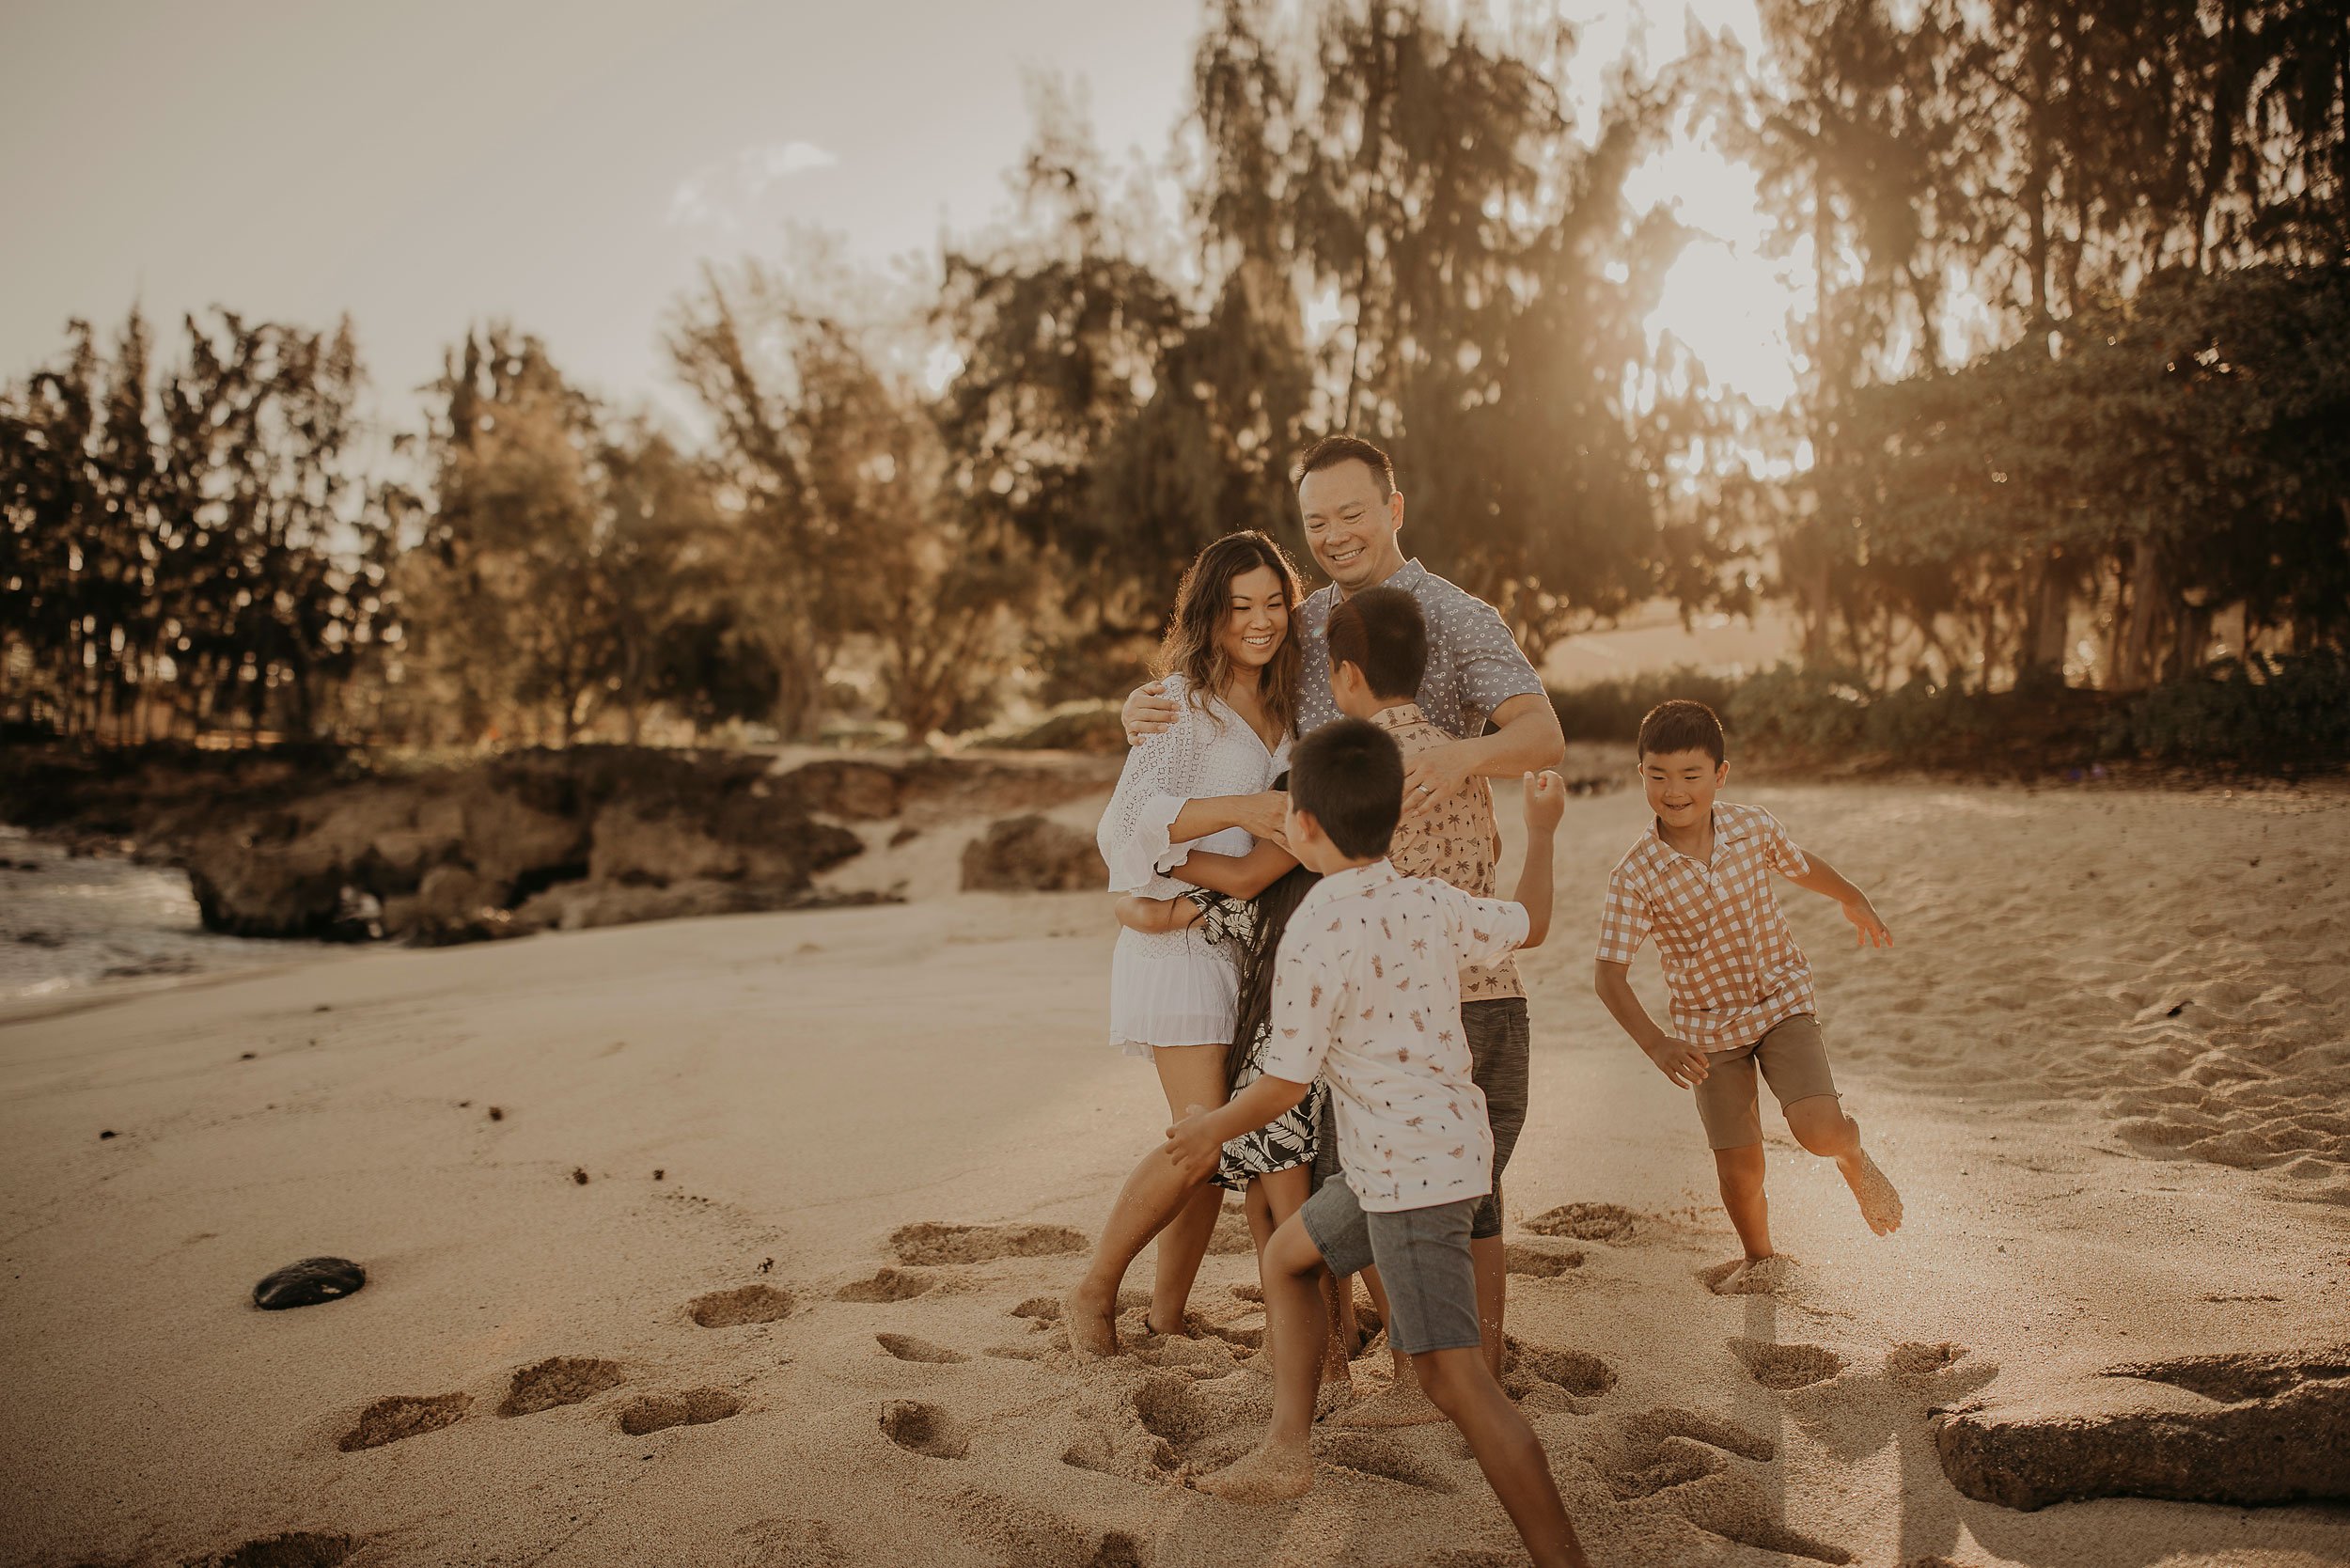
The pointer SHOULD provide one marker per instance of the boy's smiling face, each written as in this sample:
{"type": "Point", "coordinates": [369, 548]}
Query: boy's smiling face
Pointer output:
{"type": "Point", "coordinates": [1681, 785]}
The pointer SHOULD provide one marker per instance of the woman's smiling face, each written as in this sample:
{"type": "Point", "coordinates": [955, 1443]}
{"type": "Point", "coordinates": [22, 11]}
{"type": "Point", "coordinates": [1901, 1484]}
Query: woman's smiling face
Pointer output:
{"type": "Point", "coordinates": [1256, 618]}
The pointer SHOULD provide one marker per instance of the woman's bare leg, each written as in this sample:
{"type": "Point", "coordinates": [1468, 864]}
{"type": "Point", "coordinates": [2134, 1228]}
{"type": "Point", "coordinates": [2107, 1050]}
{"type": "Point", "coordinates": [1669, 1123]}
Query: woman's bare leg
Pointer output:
{"type": "Point", "coordinates": [1157, 1200]}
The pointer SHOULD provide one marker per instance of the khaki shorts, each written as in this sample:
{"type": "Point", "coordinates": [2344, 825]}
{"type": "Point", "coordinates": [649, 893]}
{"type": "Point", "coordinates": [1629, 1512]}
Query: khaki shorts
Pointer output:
{"type": "Point", "coordinates": [1793, 1058]}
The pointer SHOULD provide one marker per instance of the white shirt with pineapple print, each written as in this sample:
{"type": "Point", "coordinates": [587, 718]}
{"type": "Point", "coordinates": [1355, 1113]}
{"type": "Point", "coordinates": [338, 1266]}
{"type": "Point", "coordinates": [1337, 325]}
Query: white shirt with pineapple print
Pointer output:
{"type": "Point", "coordinates": [1366, 992]}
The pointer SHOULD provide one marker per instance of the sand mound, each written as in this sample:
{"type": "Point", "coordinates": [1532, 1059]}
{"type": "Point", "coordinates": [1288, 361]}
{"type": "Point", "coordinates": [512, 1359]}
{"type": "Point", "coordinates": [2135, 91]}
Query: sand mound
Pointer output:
{"type": "Point", "coordinates": [560, 1380]}
{"type": "Point", "coordinates": [389, 1420]}
{"type": "Point", "coordinates": [745, 1304]}
{"type": "Point", "coordinates": [933, 1242]}
{"type": "Point", "coordinates": [2216, 1429]}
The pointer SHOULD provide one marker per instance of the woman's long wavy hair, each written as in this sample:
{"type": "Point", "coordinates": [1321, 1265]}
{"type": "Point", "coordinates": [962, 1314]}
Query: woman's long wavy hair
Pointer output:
{"type": "Point", "coordinates": [1192, 649]}
{"type": "Point", "coordinates": [1275, 906]}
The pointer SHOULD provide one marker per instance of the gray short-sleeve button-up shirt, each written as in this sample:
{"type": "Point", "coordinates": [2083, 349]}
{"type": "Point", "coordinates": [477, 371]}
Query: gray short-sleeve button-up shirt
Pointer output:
{"type": "Point", "coordinates": [1474, 665]}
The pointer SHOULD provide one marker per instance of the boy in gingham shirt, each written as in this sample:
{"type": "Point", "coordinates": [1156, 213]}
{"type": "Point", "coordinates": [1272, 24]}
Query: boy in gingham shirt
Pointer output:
{"type": "Point", "coordinates": [1700, 881]}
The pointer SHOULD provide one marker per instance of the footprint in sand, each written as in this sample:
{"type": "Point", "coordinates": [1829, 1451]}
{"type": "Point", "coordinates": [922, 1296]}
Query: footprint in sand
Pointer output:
{"type": "Point", "coordinates": [931, 1241]}
{"type": "Point", "coordinates": [791, 1544]}
{"type": "Point", "coordinates": [905, 1347]}
{"type": "Point", "coordinates": [1374, 1454]}
{"type": "Point", "coordinates": [293, 1549]}
{"type": "Point", "coordinates": [924, 1428]}
{"type": "Point", "coordinates": [694, 1407]}
{"type": "Point", "coordinates": [1579, 1373]}
{"type": "Point", "coordinates": [889, 1284]}
{"type": "Point", "coordinates": [1540, 1263]}
{"type": "Point", "coordinates": [1777, 1366]}
{"type": "Point", "coordinates": [1666, 1447]}
{"type": "Point", "coordinates": [745, 1304]}
{"type": "Point", "coordinates": [560, 1380]}
{"type": "Point", "coordinates": [1592, 1222]}
{"type": "Point", "coordinates": [388, 1420]}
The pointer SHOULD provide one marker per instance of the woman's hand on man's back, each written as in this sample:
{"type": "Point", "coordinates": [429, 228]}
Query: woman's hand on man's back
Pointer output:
{"type": "Point", "coordinates": [1148, 710]}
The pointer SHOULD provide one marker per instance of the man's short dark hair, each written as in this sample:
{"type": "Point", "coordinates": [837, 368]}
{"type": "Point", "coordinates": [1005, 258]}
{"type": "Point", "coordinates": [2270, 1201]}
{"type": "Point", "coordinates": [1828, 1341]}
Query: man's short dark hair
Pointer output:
{"type": "Point", "coordinates": [1682, 725]}
{"type": "Point", "coordinates": [1331, 450]}
{"type": "Point", "coordinates": [1382, 633]}
{"type": "Point", "coordinates": [1349, 774]}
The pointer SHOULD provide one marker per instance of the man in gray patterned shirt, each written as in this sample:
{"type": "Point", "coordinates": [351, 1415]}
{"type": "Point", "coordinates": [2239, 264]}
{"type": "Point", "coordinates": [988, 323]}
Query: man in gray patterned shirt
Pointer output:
{"type": "Point", "coordinates": [1352, 515]}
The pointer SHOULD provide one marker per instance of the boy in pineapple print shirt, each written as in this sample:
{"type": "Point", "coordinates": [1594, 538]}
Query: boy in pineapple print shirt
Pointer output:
{"type": "Point", "coordinates": [1367, 995]}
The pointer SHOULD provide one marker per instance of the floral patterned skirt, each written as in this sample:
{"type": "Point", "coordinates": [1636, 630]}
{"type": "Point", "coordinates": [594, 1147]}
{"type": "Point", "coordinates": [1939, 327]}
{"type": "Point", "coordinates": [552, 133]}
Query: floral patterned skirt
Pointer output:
{"type": "Point", "coordinates": [1283, 1144]}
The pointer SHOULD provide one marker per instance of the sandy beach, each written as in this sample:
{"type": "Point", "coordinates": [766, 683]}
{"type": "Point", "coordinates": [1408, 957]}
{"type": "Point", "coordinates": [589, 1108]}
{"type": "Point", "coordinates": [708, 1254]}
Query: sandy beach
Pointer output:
{"type": "Point", "coordinates": [784, 1199]}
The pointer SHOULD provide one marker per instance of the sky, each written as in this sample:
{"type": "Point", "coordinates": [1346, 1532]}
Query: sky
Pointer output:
{"type": "Point", "coordinates": [426, 166]}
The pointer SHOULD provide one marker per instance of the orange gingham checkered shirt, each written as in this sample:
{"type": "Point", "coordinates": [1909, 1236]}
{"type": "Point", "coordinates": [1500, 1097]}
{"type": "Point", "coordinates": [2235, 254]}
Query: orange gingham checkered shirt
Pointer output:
{"type": "Point", "coordinates": [1730, 963]}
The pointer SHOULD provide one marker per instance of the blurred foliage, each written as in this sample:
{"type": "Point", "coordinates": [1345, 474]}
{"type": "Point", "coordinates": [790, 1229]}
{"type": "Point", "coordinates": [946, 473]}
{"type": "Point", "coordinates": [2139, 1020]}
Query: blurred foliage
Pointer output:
{"type": "Point", "coordinates": [2270, 713]}
{"type": "Point", "coordinates": [2070, 395]}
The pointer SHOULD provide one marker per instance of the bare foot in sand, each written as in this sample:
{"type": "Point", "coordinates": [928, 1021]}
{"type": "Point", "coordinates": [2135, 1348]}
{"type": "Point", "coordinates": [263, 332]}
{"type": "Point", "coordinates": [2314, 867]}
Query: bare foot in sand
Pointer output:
{"type": "Point", "coordinates": [1880, 1205]}
{"type": "Point", "coordinates": [1265, 1475]}
{"type": "Point", "coordinates": [1091, 1320]}
{"type": "Point", "coordinates": [1399, 1407]}
{"type": "Point", "coordinates": [1751, 1275]}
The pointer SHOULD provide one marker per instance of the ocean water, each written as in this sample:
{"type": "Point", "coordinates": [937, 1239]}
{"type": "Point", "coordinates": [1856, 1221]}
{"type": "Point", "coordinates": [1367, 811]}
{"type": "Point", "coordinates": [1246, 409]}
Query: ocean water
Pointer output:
{"type": "Point", "coordinates": [70, 923]}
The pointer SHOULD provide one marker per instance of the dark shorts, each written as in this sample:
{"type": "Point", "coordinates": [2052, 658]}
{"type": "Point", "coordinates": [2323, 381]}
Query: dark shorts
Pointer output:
{"type": "Point", "coordinates": [1422, 1257]}
{"type": "Point", "coordinates": [1499, 1049]}
{"type": "Point", "coordinates": [1499, 1042]}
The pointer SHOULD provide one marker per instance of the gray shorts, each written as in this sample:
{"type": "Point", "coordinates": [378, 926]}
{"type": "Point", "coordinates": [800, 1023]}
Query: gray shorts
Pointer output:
{"type": "Point", "coordinates": [1423, 1260]}
{"type": "Point", "coordinates": [1499, 1046]}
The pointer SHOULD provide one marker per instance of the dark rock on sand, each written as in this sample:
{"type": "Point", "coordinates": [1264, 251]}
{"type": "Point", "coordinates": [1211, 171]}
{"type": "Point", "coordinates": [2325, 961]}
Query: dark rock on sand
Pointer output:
{"type": "Point", "coordinates": [307, 1283]}
{"type": "Point", "coordinates": [2242, 1429]}
{"type": "Point", "coordinates": [1033, 853]}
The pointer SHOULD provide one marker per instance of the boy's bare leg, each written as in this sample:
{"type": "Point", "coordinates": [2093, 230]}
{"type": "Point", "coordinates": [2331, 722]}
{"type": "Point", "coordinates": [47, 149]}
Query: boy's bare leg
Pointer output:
{"type": "Point", "coordinates": [1283, 1464]}
{"type": "Point", "coordinates": [1741, 1173]}
{"type": "Point", "coordinates": [1507, 1451]}
{"type": "Point", "coordinates": [1820, 1125]}
{"type": "Point", "coordinates": [1283, 1193]}
{"type": "Point", "coordinates": [1402, 1404]}
{"type": "Point", "coordinates": [1493, 1288]}
{"type": "Point", "coordinates": [1338, 1300]}
{"type": "Point", "coordinates": [1156, 1197]}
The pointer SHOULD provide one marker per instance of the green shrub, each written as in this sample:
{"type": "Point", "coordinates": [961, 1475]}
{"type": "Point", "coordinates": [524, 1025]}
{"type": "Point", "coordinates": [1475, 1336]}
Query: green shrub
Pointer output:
{"type": "Point", "coordinates": [1788, 708]}
{"type": "Point", "coordinates": [2262, 712]}
{"type": "Point", "coordinates": [1612, 710]}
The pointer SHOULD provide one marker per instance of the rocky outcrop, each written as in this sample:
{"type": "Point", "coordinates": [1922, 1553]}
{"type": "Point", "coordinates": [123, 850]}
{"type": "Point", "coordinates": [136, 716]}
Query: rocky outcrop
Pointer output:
{"type": "Point", "coordinates": [1033, 853]}
{"type": "Point", "coordinates": [314, 843]}
{"type": "Point", "coordinates": [586, 838]}
{"type": "Point", "coordinates": [2243, 1429]}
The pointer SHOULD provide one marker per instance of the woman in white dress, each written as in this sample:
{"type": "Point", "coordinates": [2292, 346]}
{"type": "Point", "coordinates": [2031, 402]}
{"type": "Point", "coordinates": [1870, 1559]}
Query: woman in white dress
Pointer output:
{"type": "Point", "coordinates": [1205, 784]}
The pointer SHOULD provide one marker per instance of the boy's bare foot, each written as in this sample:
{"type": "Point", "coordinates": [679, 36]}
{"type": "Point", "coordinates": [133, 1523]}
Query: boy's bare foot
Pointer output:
{"type": "Point", "coordinates": [1091, 1321]}
{"type": "Point", "coordinates": [1180, 1331]}
{"type": "Point", "coordinates": [1264, 1475]}
{"type": "Point", "coordinates": [1402, 1406]}
{"type": "Point", "coordinates": [1880, 1205]}
{"type": "Point", "coordinates": [1750, 1276]}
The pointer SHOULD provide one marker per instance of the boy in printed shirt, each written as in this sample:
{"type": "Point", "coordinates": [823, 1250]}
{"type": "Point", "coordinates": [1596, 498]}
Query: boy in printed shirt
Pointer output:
{"type": "Point", "coordinates": [1378, 643]}
{"type": "Point", "coordinates": [1700, 879]}
{"type": "Point", "coordinates": [1366, 993]}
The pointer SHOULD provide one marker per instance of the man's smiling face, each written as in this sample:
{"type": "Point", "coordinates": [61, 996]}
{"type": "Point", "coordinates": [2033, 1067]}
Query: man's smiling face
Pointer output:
{"type": "Point", "coordinates": [1351, 524]}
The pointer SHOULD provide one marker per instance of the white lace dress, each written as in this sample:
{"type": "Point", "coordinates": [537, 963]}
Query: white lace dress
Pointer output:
{"type": "Point", "coordinates": [1176, 987]}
